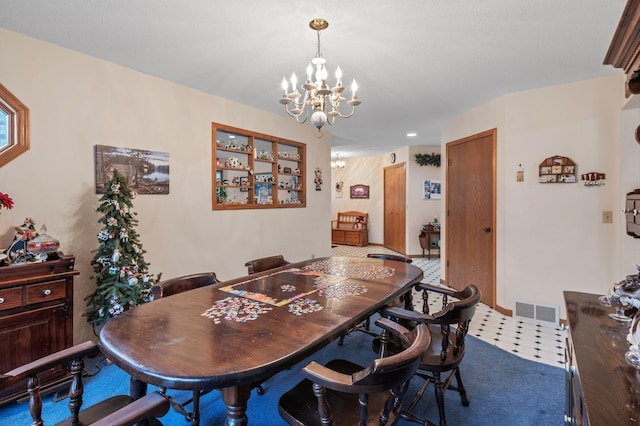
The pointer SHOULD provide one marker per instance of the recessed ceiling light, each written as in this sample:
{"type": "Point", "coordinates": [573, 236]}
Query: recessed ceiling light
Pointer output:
{"type": "Point", "coordinates": [412, 135]}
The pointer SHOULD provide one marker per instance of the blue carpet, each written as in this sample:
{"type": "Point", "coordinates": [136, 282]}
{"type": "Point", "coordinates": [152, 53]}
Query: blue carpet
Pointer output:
{"type": "Point", "coordinates": [503, 389]}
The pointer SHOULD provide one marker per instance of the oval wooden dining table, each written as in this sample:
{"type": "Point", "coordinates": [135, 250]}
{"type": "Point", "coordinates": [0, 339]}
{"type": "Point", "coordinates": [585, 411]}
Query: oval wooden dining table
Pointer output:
{"type": "Point", "coordinates": [240, 332]}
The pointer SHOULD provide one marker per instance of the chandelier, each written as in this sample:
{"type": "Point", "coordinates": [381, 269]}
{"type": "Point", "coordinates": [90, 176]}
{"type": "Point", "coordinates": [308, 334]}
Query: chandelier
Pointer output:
{"type": "Point", "coordinates": [319, 102]}
{"type": "Point", "coordinates": [338, 163]}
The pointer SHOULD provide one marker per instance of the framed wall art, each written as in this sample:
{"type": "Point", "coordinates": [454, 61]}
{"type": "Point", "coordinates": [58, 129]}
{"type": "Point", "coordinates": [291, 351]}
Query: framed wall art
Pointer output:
{"type": "Point", "coordinates": [147, 172]}
{"type": "Point", "coordinates": [431, 190]}
{"type": "Point", "coordinates": [359, 191]}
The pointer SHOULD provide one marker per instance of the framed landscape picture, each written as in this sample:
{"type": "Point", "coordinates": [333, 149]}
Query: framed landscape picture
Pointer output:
{"type": "Point", "coordinates": [147, 172]}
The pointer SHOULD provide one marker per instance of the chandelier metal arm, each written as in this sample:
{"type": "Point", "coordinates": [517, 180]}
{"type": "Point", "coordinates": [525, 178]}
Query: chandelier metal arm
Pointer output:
{"type": "Point", "coordinates": [301, 113]}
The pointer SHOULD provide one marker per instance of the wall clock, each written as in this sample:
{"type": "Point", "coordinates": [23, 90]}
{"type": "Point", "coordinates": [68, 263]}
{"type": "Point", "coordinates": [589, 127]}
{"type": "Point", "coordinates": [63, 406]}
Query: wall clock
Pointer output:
{"type": "Point", "coordinates": [392, 157]}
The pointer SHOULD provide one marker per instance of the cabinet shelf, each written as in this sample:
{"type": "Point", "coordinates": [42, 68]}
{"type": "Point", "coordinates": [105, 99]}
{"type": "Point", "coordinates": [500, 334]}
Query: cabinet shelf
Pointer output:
{"type": "Point", "coordinates": [238, 151]}
{"type": "Point", "coordinates": [260, 165]}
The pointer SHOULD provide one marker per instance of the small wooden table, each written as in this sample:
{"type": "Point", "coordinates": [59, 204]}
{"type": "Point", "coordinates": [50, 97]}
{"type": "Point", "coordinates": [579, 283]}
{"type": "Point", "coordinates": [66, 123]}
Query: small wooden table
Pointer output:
{"type": "Point", "coordinates": [427, 240]}
{"type": "Point", "coordinates": [192, 340]}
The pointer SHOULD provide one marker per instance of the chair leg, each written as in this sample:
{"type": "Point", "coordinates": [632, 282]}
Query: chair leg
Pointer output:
{"type": "Point", "coordinates": [324, 411]}
{"type": "Point", "coordinates": [407, 414]}
{"type": "Point", "coordinates": [461, 389]}
{"type": "Point", "coordinates": [439, 390]}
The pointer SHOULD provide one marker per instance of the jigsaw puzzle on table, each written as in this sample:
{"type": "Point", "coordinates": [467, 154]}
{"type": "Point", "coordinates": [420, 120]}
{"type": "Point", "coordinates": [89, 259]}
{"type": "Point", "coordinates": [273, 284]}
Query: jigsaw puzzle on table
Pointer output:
{"type": "Point", "coordinates": [329, 278]}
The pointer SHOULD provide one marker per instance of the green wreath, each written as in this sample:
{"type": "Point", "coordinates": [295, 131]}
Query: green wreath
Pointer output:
{"type": "Point", "coordinates": [432, 159]}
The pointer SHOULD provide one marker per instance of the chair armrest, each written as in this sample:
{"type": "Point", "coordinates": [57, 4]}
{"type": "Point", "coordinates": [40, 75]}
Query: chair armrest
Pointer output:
{"type": "Point", "coordinates": [33, 368]}
{"type": "Point", "coordinates": [397, 312]}
{"type": "Point", "coordinates": [152, 405]}
{"type": "Point", "coordinates": [395, 329]}
{"type": "Point", "coordinates": [324, 376]}
{"type": "Point", "coordinates": [435, 289]}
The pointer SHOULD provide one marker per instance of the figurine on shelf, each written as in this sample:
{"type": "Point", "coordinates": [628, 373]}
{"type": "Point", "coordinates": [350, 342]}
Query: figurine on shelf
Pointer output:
{"type": "Point", "coordinates": [235, 162]}
{"type": "Point", "coordinates": [17, 251]}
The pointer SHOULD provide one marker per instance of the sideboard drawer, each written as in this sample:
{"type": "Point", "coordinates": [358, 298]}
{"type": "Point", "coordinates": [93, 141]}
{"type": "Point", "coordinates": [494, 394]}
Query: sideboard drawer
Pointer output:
{"type": "Point", "coordinates": [10, 298]}
{"type": "Point", "coordinates": [43, 292]}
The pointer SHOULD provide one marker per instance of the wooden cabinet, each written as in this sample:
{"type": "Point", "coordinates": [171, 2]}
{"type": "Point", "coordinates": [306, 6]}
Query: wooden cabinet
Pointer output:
{"type": "Point", "coordinates": [624, 50]}
{"type": "Point", "coordinates": [253, 170]}
{"type": "Point", "coordinates": [601, 388]}
{"type": "Point", "coordinates": [429, 239]}
{"type": "Point", "coordinates": [36, 316]}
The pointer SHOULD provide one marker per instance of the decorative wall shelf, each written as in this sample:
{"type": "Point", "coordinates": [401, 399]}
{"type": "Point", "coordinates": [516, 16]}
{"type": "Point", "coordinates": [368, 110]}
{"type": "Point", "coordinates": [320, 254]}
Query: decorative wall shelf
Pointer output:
{"type": "Point", "coordinates": [256, 171]}
{"type": "Point", "coordinates": [557, 169]}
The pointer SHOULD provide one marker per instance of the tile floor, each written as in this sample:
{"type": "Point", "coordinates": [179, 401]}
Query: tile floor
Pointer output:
{"type": "Point", "coordinates": [534, 340]}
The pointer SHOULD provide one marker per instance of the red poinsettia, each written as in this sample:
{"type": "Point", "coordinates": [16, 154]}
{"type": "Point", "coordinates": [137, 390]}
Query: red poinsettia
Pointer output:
{"type": "Point", "coordinates": [6, 201]}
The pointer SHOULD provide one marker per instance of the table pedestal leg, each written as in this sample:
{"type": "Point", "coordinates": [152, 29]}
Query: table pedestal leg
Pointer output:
{"type": "Point", "coordinates": [236, 399]}
{"type": "Point", "coordinates": [137, 389]}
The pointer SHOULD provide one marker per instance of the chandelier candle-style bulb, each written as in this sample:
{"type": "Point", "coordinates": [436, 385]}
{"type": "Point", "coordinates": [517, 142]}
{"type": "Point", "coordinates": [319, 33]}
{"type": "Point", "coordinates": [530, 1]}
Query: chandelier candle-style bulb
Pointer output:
{"type": "Point", "coordinates": [354, 99]}
{"type": "Point", "coordinates": [320, 103]}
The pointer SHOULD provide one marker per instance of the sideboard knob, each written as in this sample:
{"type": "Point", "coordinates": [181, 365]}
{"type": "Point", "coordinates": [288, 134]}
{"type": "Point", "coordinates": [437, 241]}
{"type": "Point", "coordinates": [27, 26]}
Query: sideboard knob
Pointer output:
{"type": "Point", "coordinates": [46, 292]}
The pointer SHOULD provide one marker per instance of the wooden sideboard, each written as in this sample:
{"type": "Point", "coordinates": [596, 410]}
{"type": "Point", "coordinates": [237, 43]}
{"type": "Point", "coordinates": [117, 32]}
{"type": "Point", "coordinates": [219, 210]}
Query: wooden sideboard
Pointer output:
{"type": "Point", "coordinates": [601, 388]}
{"type": "Point", "coordinates": [36, 316]}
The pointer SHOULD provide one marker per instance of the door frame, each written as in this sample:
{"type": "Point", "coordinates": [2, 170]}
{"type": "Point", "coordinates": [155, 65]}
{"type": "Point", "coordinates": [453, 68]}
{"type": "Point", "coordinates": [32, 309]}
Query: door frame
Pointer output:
{"type": "Point", "coordinates": [493, 133]}
{"type": "Point", "coordinates": [403, 209]}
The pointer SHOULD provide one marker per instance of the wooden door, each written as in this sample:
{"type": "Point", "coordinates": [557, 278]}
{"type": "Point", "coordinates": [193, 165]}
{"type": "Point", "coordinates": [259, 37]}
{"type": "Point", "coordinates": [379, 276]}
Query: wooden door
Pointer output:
{"type": "Point", "coordinates": [395, 207]}
{"type": "Point", "coordinates": [470, 238]}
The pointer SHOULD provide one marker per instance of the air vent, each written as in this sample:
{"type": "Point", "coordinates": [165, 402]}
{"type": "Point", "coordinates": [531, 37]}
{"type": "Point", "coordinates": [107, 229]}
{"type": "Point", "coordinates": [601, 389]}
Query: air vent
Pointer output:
{"type": "Point", "coordinates": [535, 311]}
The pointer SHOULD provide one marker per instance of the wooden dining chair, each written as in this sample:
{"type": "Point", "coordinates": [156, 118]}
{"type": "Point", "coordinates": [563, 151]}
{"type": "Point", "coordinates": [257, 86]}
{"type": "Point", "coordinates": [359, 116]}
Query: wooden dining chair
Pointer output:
{"type": "Point", "coordinates": [115, 410]}
{"type": "Point", "coordinates": [265, 263]}
{"type": "Point", "coordinates": [174, 286]}
{"type": "Point", "coordinates": [448, 327]}
{"type": "Point", "coordinates": [184, 283]}
{"type": "Point", "coordinates": [405, 300]}
{"type": "Point", "coordinates": [345, 393]}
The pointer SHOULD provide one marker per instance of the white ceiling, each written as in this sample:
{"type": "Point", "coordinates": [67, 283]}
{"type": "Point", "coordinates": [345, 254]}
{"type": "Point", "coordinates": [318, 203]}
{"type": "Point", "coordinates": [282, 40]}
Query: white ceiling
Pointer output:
{"type": "Point", "coordinates": [418, 63]}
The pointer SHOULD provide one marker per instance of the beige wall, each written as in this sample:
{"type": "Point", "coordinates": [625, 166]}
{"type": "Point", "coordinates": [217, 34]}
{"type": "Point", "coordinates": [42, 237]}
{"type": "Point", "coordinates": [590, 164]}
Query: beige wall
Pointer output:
{"type": "Point", "coordinates": [370, 171]}
{"type": "Point", "coordinates": [77, 102]}
{"type": "Point", "coordinates": [551, 236]}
